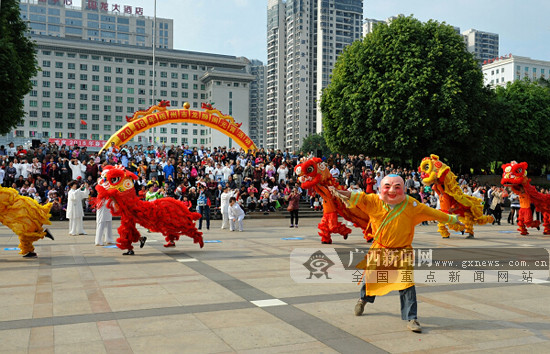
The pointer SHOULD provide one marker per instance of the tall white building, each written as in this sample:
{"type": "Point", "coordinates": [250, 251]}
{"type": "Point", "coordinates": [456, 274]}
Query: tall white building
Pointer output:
{"type": "Point", "coordinates": [501, 70]}
{"type": "Point", "coordinates": [304, 39]}
{"type": "Point", "coordinates": [96, 20]}
{"type": "Point", "coordinates": [257, 102]}
{"type": "Point", "coordinates": [85, 90]}
{"type": "Point", "coordinates": [484, 45]}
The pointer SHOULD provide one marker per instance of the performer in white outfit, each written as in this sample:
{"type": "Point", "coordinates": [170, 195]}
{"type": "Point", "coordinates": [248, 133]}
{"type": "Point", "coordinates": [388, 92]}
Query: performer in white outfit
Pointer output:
{"type": "Point", "coordinates": [236, 214]}
{"type": "Point", "coordinates": [104, 221]}
{"type": "Point", "coordinates": [75, 213]}
{"type": "Point", "coordinates": [224, 205]}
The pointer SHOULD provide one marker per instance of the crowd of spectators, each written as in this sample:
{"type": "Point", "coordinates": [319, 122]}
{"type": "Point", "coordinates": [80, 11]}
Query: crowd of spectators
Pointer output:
{"type": "Point", "coordinates": [261, 181]}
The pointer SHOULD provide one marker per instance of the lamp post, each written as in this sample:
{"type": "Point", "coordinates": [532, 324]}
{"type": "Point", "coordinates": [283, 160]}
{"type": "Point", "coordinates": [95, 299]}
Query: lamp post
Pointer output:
{"type": "Point", "coordinates": [153, 91]}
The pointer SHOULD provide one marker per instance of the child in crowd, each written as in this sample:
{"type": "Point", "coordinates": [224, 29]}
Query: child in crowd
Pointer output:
{"type": "Point", "coordinates": [317, 204]}
{"type": "Point", "coordinates": [236, 215]}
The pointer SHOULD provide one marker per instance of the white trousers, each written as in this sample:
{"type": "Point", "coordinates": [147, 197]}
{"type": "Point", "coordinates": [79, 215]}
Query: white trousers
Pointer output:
{"type": "Point", "coordinates": [76, 226]}
{"type": "Point", "coordinates": [104, 228]}
{"type": "Point", "coordinates": [239, 221]}
{"type": "Point", "coordinates": [225, 220]}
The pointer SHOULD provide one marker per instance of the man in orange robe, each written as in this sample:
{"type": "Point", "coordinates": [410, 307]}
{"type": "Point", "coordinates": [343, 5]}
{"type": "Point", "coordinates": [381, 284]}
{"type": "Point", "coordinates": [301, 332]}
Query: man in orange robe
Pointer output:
{"type": "Point", "coordinates": [393, 216]}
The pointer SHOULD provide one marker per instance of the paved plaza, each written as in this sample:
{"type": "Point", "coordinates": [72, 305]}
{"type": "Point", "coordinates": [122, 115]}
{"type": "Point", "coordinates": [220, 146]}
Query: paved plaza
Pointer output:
{"type": "Point", "coordinates": [236, 295]}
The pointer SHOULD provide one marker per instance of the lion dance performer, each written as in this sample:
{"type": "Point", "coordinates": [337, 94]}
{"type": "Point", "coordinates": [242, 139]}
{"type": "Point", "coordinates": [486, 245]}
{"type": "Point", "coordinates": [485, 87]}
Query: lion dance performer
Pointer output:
{"type": "Point", "coordinates": [25, 217]}
{"type": "Point", "coordinates": [393, 216]}
{"type": "Point", "coordinates": [167, 215]}
{"type": "Point", "coordinates": [314, 175]}
{"type": "Point", "coordinates": [452, 199]}
{"type": "Point", "coordinates": [514, 175]}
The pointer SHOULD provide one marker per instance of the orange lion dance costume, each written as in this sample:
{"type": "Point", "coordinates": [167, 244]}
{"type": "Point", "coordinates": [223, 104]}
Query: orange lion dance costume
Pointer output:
{"type": "Point", "coordinates": [438, 175]}
{"type": "Point", "coordinates": [25, 217]}
{"type": "Point", "coordinates": [514, 175]}
{"type": "Point", "coordinates": [167, 215]}
{"type": "Point", "coordinates": [314, 175]}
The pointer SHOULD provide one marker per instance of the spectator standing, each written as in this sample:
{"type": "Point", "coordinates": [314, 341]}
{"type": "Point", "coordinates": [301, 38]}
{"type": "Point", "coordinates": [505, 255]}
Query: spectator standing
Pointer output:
{"type": "Point", "coordinates": [293, 207]}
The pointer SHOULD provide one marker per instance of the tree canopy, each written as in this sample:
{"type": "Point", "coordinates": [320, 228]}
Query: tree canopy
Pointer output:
{"type": "Point", "coordinates": [315, 142]}
{"type": "Point", "coordinates": [17, 65]}
{"type": "Point", "coordinates": [523, 110]}
{"type": "Point", "coordinates": [408, 89]}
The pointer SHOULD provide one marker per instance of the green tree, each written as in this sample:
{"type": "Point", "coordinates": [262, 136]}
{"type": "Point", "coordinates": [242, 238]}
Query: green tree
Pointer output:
{"type": "Point", "coordinates": [17, 65]}
{"type": "Point", "coordinates": [315, 142]}
{"type": "Point", "coordinates": [405, 91]}
{"type": "Point", "coordinates": [523, 108]}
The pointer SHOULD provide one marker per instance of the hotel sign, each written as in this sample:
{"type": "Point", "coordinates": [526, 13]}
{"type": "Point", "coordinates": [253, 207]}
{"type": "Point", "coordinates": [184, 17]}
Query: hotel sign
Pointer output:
{"type": "Point", "coordinates": [99, 5]}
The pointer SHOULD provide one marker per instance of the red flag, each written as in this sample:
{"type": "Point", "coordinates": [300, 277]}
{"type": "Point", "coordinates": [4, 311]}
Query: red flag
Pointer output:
{"type": "Point", "coordinates": [83, 122]}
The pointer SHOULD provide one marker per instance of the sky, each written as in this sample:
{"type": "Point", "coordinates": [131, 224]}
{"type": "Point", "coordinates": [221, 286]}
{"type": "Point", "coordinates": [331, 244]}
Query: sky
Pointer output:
{"type": "Point", "coordinates": [238, 27]}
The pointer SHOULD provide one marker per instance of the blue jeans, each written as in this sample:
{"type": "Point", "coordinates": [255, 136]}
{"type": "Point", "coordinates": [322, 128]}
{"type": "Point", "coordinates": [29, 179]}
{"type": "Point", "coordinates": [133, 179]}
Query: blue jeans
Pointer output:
{"type": "Point", "coordinates": [205, 212]}
{"type": "Point", "coordinates": [408, 301]}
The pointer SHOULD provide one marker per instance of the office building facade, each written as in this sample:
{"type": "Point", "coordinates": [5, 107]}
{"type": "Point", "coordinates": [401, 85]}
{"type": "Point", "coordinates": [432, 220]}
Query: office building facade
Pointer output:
{"type": "Point", "coordinates": [499, 71]}
{"type": "Point", "coordinates": [96, 20]}
{"type": "Point", "coordinates": [305, 37]}
{"type": "Point", "coordinates": [86, 89]}
{"type": "Point", "coordinates": [484, 45]}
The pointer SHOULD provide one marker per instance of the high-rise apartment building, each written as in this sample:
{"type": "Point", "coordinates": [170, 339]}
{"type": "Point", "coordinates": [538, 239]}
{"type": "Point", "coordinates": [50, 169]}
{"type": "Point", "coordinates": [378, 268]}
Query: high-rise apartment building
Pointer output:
{"type": "Point", "coordinates": [484, 45]}
{"type": "Point", "coordinates": [304, 39]}
{"type": "Point", "coordinates": [257, 102]}
{"type": "Point", "coordinates": [96, 20]}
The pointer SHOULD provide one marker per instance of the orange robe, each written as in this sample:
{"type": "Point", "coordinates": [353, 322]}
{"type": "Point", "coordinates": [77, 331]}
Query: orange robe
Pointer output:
{"type": "Point", "coordinates": [393, 228]}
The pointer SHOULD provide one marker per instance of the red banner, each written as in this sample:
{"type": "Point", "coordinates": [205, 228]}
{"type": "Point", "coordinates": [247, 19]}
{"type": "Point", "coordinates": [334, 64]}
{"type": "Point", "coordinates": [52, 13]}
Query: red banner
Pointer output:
{"type": "Point", "coordinates": [80, 142]}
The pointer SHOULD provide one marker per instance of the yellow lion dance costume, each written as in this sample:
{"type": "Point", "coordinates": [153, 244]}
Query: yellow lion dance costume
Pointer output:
{"type": "Point", "coordinates": [25, 217]}
{"type": "Point", "coordinates": [452, 200]}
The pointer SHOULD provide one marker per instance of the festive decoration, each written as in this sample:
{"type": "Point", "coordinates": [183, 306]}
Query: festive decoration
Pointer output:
{"type": "Point", "coordinates": [514, 175]}
{"type": "Point", "coordinates": [167, 215]}
{"type": "Point", "coordinates": [25, 217]}
{"type": "Point", "coordinates": [314, 175]}
{"type": "Point", "coordinates": [159, 115]}
{"type": "Point", "coordinates": [438, 175]}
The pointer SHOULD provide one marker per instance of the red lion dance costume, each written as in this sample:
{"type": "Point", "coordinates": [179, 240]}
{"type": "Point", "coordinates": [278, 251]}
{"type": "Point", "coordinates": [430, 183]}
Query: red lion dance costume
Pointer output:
{"type": "Point", "coordinates": [167, 215]}
{"type": "Point", "coordinates": [514, 175]}
{"type": "Point", "coordinates": [314, 175]}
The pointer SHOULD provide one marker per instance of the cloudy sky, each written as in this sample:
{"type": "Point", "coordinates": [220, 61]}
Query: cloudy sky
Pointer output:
{"type": "Point", "coordinates": [238, 27]}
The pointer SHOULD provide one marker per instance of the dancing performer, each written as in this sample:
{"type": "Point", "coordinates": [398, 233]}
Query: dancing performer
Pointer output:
{"type": "Point", "coordinates": [393, 216]}
{"type": "Point", "coordinates": [26, 218]}
{"type": "Point", "coordinates": [167, 215]}
{"type": "Point", "coordinates": [75, 212]}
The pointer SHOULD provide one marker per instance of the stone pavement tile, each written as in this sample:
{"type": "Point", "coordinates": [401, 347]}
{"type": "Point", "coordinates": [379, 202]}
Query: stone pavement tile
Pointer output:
{"type": "Point", "coordinates": [72, 308]}
{"type": "Point", "coordinates": [153, 326]}
{"type": "Point", "coordinates": [498, 345]}
{"type": "Point", "coordinates": [109, 330]}
{"type": "Point", "coordinates": [15, 312]}
{"type": "Point", "coordinates": [478, 332]}
{"type": "Point", "coordinates": [542, 347]}
{"type": "Point", "coordinates": [95, 347]}
{"type": "Point", "coordinates": [15, 339]}
{"type": "Point", "coordinates": [537, 305]}
{"type": "Point", "coordinates": [69, 295]}
{"type": "Point", "coordinates": [137, 302]}
{"type": "Point", "coordinates": [178, 340]}
{"type": "Point", "coordinates": [118, 346]}
{"type": "Point", "coordinates": [302, 348]}
{"type": "Point", "coordinates": [42, 350]}
{"type": "Point", "coordinates": [76, 333]}
{"type": "Point", "coordinates": [409, 341]}
{"type": "Point", "coordinates": [492, 312]}
{"type": "Point", "coordinates": [236, 318]}
{"type": "Point", "coordinates": [262, 335]}
{"type": "Point", "coordinates": [18, 295]}
{"type": "Point", "coordinates": [380, 317]}
{"type": "Point", "coordinates": [204, 292]}
{"type": "Point", "coordinates": [42, 310]}
{"type": "Point", "coordinates": [283, 286]}
{"type": "Point", "coordinates": [42, 337]}
{"type": "Point", "coordinates": [527, 291]}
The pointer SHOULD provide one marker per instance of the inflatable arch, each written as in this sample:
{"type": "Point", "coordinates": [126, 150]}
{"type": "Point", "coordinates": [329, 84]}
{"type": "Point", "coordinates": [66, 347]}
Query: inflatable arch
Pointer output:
{"type": "Point", "coordinates": [159, 115]}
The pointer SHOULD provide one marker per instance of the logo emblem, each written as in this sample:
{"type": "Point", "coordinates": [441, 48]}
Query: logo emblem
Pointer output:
{"type": "Point", "coordinates": [318, 265]}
